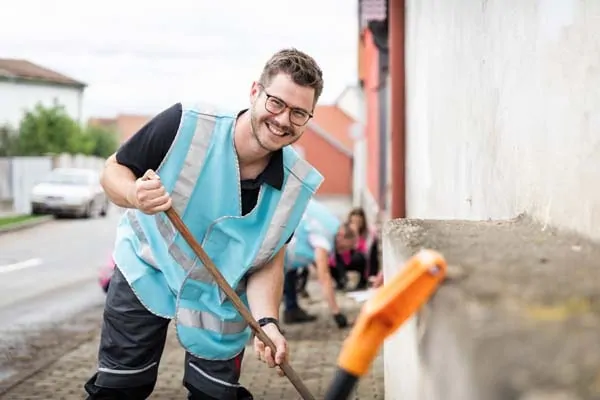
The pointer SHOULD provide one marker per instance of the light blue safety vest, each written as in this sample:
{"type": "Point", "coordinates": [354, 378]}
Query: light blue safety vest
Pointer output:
{"type": "Point", "coordinates": [201, 173]}
{"type": "Point", "coordinates": [317, 220]}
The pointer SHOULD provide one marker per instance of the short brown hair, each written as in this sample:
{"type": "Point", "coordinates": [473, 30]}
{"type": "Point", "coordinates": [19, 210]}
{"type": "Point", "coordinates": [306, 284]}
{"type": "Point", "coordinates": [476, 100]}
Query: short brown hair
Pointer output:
{"type": "Point", "coordinates": [301, 67]}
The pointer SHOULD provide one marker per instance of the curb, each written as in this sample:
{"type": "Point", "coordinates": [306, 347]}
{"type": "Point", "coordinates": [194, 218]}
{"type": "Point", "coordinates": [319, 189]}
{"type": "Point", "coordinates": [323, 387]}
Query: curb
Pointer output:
{"type": "Point", "coordinates": [79, 329]}
{"type": "Point", "coordinates": [77, 338]}
{"type": "Point", "coordinates": [25, 224]}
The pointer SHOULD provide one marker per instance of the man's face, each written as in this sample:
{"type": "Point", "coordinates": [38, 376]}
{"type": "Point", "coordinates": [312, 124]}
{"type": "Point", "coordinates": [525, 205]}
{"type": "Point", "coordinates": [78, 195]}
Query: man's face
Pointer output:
{"type": "Point", "coordinates": [280, 111]}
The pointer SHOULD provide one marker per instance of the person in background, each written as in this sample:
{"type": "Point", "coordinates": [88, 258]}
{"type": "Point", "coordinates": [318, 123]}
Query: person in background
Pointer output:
{"type": "Point", "coordinates": [343, 260]}
{"type": "Point", "coordinates": [363, 258]}
{"type": "Point", "coordinates": [319, 234]}
{"type": "Point", "coordinates": [367, 242]}
{"type": "Point", "coordinates": [377, 280]}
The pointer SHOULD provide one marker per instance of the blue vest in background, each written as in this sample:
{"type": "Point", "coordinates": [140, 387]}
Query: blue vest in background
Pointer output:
{"type": "Point", "coordinates": [317, 220]}
{"type": "Point", "coordinates": [201, 174]}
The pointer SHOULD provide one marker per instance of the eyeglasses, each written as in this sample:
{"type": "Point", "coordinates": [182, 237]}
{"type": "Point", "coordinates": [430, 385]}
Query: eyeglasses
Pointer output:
{"type": "Point", "coordinates": [276, 106]}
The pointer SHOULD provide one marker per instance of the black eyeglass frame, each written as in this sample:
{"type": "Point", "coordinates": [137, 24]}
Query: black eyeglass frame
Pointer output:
{"type": "Point", "coordinates": [284, 106]}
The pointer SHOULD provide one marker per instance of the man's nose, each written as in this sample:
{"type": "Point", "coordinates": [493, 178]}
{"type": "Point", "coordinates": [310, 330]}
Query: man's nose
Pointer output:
{"type": "Point", "coordinates": [283, 118]}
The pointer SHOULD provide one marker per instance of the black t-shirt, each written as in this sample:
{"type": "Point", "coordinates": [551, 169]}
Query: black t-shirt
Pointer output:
{"type": "Point", "coordinates": [148, 147]}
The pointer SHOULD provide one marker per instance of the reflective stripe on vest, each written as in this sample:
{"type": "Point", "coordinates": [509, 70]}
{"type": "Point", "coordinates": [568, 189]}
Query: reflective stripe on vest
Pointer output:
{"type": "Point", "coordinates": [317, 220]}
{"type": "Point", "coordinates": [208, 321]}
{"type": "Point", "coordinates": [193, 267]}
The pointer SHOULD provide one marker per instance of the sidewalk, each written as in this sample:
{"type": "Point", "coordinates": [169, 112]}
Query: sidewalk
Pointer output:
{"type": "Point", "coordinates": [314, 347]}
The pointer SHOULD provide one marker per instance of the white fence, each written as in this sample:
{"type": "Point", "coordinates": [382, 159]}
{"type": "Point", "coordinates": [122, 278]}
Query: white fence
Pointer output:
{"type": "Point", "coordinates": [18, 175]}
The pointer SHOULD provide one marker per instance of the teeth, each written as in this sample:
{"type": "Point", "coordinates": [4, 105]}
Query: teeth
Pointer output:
{"type": "Point", "coordinates": [275, 130]}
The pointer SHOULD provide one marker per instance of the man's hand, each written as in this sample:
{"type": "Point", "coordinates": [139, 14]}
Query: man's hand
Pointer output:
{"type": "Point", "coordinates": [149, 195]}
{"type": "Point", "coordinates": [264, 352]}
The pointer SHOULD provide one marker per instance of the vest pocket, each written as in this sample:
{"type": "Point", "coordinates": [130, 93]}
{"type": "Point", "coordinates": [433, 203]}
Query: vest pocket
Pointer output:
{"type": "Point", "coordinates": [191, 290]}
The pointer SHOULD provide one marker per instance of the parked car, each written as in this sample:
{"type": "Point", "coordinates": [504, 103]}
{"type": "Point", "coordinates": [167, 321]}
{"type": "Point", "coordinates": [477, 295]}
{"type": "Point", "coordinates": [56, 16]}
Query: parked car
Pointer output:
{"type": "Point", "coordinates": [106, 273]}
{"type": "Point", "coordinates": [70, 191]}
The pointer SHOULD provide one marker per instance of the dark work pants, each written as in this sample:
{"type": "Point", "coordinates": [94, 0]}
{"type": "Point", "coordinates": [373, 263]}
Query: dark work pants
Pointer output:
{"type": "Point", "coordinates": [373, 262]}
{"type": "Point", "coordinates": [290, 290]}
{"type": "Point", "coordinates": [131, 345]}
{"type": "Point", "coordinates": [358, 263]}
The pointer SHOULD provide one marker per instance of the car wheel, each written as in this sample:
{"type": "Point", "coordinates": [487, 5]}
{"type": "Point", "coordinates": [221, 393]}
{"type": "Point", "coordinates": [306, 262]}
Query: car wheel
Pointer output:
{"type": "Point", "coordinates": [87, 213]}
{"type": "Point", "coordinates": [36, 211]}
{"type": "Point", "coordinates": [104, 210]}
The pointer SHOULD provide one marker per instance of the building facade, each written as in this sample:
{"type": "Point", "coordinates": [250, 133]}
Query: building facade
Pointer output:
{"type": "Point", "coordinates": [24, 84]}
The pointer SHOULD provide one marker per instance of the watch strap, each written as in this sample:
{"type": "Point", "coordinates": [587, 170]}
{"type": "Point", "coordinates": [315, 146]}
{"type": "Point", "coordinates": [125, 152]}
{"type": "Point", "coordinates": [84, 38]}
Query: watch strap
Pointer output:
{"type": "Point", "coordinates": [269, 320]}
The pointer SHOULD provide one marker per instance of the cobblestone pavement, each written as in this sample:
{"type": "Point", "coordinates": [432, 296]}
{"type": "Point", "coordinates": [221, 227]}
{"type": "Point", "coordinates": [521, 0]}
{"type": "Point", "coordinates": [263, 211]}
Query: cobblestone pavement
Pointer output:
{"type": "Point", "coordinates": [314, 347]}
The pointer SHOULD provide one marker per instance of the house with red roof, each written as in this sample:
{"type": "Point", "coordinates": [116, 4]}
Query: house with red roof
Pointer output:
{"type": "Point", "coordinates": [328, 146]}
{"type": "Point", "coordinates": [23, 84]}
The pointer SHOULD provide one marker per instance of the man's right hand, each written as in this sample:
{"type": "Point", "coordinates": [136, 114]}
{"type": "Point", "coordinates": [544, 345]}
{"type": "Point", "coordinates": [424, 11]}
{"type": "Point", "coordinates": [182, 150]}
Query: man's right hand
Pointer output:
{"type": "Point", "coordinates": [149, 195]}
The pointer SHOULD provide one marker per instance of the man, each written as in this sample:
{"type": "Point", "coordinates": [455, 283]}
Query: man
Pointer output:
{"type": "Point", "coordinates": [241, 189]}
{"type": "Point", "coordinates": [319, 235]}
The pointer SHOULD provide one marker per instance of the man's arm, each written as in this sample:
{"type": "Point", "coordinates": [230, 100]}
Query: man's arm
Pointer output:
{"type": "Point", "coordinates": [144, 151]}
{"type": "Point", "coordinates": [265, 288]}
{"type": "Point", "coordinates": [322, 246]}
{"type": "Point", "coordinates": [118, 182]}
{"type": "Point", "coordinates": [322, 264]}
{"type": "Point", "coordinates": [264, 291]}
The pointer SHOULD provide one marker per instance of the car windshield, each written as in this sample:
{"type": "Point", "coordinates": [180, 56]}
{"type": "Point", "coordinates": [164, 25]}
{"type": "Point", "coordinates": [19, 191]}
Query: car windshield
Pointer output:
{"type": "Point", "coordinates": [68, 178]}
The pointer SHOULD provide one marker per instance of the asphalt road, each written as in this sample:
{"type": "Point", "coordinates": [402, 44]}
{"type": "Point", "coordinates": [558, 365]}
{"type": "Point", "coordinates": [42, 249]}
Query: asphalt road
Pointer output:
{"type": "Point", "coordinates": [50, 298]}
{"type": "Point", "coordinates": [52, 269]}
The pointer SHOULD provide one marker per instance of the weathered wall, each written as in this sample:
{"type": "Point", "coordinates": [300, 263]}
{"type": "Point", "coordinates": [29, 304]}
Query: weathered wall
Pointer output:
{"type": "Point", "coordinates": [504, 110]}
{"type": "Point", "coordinates": [503, 118]}
{"type": "Point", "coordinates": [520, 324]}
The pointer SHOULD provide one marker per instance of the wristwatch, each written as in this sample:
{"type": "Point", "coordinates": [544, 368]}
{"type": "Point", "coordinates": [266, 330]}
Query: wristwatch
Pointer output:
{"type": "Point", "coordinates": [269, 320]}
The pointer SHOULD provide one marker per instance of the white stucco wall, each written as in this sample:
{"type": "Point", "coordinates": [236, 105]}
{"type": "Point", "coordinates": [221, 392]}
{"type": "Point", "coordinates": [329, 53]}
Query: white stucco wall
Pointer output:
{"type": "Point", "coordinates": [359, 172]}
{"type": "Point", "coordinates": [504, 110]}
{"type": "Point", "coordinates": [16, 97]}
{"type": "Point", "coordinates": [503, 117]}
{"type": "Point", "coordinates": [351, 101]}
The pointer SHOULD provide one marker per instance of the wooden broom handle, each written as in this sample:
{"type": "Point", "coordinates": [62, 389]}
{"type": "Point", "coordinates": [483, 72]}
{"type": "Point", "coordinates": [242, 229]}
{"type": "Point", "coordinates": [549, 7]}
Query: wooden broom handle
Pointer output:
{"type": "Point", "coordinates": [237, 302]}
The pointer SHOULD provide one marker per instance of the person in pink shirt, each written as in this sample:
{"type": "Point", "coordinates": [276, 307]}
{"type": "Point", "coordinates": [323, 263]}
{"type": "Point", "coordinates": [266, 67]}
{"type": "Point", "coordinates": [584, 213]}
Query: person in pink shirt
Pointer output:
{"type": "Point", "coordinates": [368, 243]}
{"type": "Point", "coordinates": [366, 235]}
{"type": "Point", "coordinates": [362, 259]}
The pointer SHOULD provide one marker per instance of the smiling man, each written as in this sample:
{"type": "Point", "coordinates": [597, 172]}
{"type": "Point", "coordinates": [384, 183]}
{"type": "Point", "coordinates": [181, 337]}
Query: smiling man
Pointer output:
{"type": "Point", "coordinates": [241, 189]}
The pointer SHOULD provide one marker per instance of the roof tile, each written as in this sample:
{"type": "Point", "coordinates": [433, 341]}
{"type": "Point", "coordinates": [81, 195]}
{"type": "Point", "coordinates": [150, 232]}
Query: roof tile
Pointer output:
{"type": "Point", "coordinates": [15, 68]}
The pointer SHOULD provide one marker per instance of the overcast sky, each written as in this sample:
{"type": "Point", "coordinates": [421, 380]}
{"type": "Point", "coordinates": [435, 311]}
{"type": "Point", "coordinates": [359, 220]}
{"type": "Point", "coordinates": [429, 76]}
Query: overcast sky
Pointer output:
{"type": "Point", "coordinates": [140, 57]}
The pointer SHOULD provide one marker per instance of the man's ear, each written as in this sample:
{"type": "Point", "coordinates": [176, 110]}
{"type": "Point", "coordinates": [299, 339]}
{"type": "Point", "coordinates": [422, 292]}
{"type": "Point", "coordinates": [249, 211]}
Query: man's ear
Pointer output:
{"type": "Point", "coordinates": [254, 91]}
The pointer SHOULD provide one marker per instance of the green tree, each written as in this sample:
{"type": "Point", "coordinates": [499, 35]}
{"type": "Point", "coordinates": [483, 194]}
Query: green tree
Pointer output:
{"type": "Point", "coordinates": [103, 141]}
{"type": "Point", "coordinates": [50, 130]}
{"type": "Point", "coordinates": [8, 141]}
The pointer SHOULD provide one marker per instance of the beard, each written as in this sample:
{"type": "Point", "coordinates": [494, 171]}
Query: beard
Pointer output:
{"type": "Point", "coordinates": [256, 124]}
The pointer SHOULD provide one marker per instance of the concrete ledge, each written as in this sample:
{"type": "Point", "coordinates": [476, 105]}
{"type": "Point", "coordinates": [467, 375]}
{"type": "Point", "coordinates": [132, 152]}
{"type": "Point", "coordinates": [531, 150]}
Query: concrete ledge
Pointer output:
{"type": "Point", "coordinates": [518, 318]}
{"type": "Point", "coordinates": [30, 223]}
